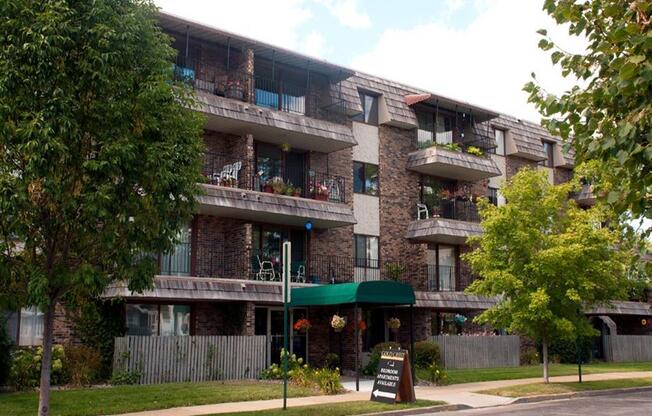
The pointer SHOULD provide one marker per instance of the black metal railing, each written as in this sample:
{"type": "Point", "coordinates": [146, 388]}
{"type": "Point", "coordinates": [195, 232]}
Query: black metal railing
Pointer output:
{"type": "Point", "coordinates": [267, 266]}
{"type": "Point", "coordinates": [296, 182]}
{"type": "Point", "coordinates": [277, 94]}
{"type": "Point", "coordinates": [462, 209]}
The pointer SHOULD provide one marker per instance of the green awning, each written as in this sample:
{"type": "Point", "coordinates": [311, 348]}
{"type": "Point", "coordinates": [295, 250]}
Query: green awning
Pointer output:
{"type": "Point", "coordinates": [384, 292]}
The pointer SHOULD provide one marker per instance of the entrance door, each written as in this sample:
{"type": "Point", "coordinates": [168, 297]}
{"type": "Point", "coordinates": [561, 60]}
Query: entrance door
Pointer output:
{"type": "Point", "coordinates": [269, 322]}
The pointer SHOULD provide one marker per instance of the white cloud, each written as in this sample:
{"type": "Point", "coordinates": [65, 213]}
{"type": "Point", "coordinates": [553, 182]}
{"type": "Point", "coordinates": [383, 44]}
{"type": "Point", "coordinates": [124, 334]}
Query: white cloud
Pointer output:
{"type": "Point", "coordinates": [347, 13]}
{"type": "Point", "coordinates": [487, 63]}
{"type": "Point", "coordinates": [275, 22]}
{"type": "Point", "coordinates": [314, 44]}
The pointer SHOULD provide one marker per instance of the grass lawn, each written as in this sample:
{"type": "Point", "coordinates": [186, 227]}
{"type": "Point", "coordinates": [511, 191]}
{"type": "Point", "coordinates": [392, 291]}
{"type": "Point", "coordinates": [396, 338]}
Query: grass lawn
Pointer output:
{"type": "Point", "coordinates": [489, 374]}
{"type": "Point", "coordinates": [123, 399]}
{"type": "Point", "coordinates": [337, 409]}
{"type": "Point", "coordinates": [557, 388]}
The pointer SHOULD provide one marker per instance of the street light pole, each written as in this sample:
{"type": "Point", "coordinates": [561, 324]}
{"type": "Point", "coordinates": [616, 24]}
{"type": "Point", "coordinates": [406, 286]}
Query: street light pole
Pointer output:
{"type": "Point", "coordinates": [287, 248]}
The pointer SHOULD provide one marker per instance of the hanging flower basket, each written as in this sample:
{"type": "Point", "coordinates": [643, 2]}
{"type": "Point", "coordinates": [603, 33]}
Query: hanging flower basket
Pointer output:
{"type": "Point", "coordinates": [338, 323]}
{"type": "Point", "coordinates": [302, 325]}
{"type": "Point", "coordinates": [394, 324]}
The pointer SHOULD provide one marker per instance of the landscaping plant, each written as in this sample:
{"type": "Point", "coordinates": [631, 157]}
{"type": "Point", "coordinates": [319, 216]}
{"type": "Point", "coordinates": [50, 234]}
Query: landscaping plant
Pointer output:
{"type": "Point", "coordinates": [426, 353]}
{"type": "Point", "coordinates": [546, 261]}
{"type": "Point", "coordinates": [26, 367]}
{"type": "Point", "coordinates": [374, 358]}
{"type": "Point", "coordinates": [82, 365]}
{"type": "Point", "coordinates": [6, 347]}
{"type": "Point", "coordinates": [101, 153]}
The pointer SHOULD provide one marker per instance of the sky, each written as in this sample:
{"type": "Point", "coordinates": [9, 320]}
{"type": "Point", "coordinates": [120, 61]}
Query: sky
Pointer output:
{"type": "Point", "coordinates": [479, 51]}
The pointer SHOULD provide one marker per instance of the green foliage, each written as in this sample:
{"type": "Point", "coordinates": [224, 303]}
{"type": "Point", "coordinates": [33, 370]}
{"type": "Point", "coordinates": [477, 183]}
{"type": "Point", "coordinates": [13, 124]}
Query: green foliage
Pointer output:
{"type": "Point", "coordinates": [609, 118]}
{"type": "Point", "coordinates": [566, 350]}
{"type": "Point", "coordinates": [395, 270]}
{"type": "Point", "coordinates": [332, 361]}
{"type": "Point", "coordinates": [546, 258]}
{"type": "Point", "coordinates": [435, 374]}
{"type": "Point", "coordinates": [103, 163]}
{"type": "Point", "coordinates": [6, 347]}
{"type": "Point", "coordinates": [126, 377]}
{"type": "Point", "coordinates": [426, 353]}
{"type": "Point", "coordinates": [97, 323]}
{"type": "Point", "coordinates": [82, 365]}
{"type": "Point", "coordinates": [474, 150]}
{"type": "Point", "coordinates": [374, 358]}
{"type": "Point", "coordinates": [326, 380]}
{"type": "Point", "coordinates": [530, 356]}
{"type": "Point", "coordinates": [26, 367]}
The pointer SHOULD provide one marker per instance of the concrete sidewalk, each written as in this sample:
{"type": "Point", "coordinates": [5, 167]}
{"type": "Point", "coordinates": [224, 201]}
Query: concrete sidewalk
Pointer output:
{"type": "Point", "coordinates": [454, 394]}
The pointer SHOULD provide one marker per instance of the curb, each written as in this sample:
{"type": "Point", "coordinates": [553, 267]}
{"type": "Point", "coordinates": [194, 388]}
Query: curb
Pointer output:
{"type": "Point", "coordinates": [591, 393]}
{"type": "Point", "coordinates": [422, 410]}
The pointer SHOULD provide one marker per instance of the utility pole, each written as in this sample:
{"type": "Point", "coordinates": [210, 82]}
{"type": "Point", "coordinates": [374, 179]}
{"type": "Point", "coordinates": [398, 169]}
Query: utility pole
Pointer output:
{"type": "Point", "coordinates": [287, 249]}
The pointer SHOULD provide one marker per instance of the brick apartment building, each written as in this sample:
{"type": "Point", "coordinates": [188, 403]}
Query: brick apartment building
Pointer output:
{"type": "Point", "coordinates": [368, 178]}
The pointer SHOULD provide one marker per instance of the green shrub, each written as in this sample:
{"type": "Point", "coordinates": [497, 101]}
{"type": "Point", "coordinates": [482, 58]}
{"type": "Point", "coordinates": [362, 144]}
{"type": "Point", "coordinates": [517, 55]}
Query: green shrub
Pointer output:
{"type": "Point", "coordinates": [327, 380]}
{"type": "Point", "coordinates": [82, 365]}
{"type": "Point", "coordinates": [565, 350]}
{"type": "Point", "coordinates": [426, 353]}
{"type": "Point", "coordinates": [126, 377]}
{"type": "Point", "coordinates": [275, 371]}
{"type": "Point", "coordinates": [6, 347]}
{"type": "Point", "coordinates": [372, 367]}
{"type": "Point", "coordinates": [530, 356]}
{"type": "Point", "coordinates": [332, 361]}
{"type": "Point", "coordinates": [26, 367]}
{"type": "Point", "coordinates": [436, 374]}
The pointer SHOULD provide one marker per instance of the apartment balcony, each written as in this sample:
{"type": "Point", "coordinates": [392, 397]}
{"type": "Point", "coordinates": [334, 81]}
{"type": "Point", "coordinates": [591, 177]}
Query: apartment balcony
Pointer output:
{"type": "Point", "coordinates": [449, 221]}
{"type": "Point", "coordinates": [236, 189]}
{"type": "Point", "coordinates": [280, 112]}
{"type": "Point", "coordinates": [585, 196]}
{"type": "Point", "coordinates": [467, 162]}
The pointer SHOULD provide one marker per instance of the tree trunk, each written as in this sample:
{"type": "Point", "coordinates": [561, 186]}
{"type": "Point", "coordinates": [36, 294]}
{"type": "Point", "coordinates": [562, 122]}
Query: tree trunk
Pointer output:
{"type": "Point", "coordinates": [544, 346]}
{"type": "Point", "coordinates": [46, 362]}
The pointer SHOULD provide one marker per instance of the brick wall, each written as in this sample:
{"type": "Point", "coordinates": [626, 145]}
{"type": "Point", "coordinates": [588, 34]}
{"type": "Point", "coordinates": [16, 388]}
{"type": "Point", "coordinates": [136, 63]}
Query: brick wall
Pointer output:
{"type": "Point", "coordinates": [224, 318]}
{"type": "Point", "coordinates": [562, 175]}
{"type": "Point", "coordinates": [220, 241]}
{"type": "Point", "coordinates": [513, 164]}
{"type": "Point", "coordinates": [464, 276]}
{"type": "Point", "coordinates": [64, 332]}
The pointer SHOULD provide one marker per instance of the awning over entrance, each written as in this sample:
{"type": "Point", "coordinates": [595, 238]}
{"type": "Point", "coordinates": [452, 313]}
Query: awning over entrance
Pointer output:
{"type": "Point", "coordinates": [377, 292]}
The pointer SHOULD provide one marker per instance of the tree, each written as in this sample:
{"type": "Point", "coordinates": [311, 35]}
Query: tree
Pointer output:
{"type": "Point", "coordinates": [610, 118]}
{"type": "Point", "coordinates": [100, 155]}
{"type": "Point", "coordinates": [546, 260]}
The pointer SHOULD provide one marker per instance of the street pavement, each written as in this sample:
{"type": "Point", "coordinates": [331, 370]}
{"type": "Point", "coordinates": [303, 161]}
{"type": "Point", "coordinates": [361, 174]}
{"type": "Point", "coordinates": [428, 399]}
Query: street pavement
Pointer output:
{"type": "Point", "coordinates": [629, 404]}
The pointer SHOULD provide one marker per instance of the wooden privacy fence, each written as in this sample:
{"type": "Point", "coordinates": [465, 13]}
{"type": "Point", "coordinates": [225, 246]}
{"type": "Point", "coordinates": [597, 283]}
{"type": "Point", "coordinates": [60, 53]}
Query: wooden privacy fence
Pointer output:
{"type": "Point", "coordinates": [478, 351]}
{"type": "Point", "coordinates": [190, 358]}
{"type": "Point", "coordinates": [624, 348]}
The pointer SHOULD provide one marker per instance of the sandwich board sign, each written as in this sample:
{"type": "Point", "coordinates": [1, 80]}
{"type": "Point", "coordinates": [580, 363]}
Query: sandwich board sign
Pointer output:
{"type": "Point", "coordinates": [393, 381]}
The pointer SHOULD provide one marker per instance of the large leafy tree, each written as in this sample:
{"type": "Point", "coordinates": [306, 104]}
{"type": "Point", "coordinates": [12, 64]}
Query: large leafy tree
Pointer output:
{"type": "Point", "coordinates": [99, 155]}
{"type": "Point", "coordinates": [609, 117]}
{"type": "Point", "coordinates": [546, 260]}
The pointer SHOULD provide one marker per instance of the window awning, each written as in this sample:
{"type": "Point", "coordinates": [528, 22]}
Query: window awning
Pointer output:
{"type": "Point", "coordinates": [383, 292]}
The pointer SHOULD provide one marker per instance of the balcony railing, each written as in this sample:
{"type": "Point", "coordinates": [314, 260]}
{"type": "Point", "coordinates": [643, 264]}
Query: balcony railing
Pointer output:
{"type": "Point", "coordinates": [455, 209]}
{"type": "Point", "coordinates": [317, 269]}
{"type": "Point", "coordinates": [281, 95]}
{"type": "Point", "coordinates": [296, 182]}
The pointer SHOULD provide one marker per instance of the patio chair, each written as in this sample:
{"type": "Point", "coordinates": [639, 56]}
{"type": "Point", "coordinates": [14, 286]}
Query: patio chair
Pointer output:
{"type": "Point", "coordinates": [422, 209]}
{"type": "Point", "coordinates": [266, 270]}
{"type": "Point", "coordinates": [300, 277]}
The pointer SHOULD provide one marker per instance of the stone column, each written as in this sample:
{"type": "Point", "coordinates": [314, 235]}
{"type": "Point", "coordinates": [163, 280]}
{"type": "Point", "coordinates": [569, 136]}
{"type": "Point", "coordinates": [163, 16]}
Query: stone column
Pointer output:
{"type": "Point", "coordinates": [248, 70]}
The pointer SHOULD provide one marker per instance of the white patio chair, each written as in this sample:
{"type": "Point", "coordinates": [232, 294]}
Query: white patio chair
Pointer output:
{"type": "Point", "coordinates": [422, 209]}
{"type": "Point", "coordinates": [265, 270]}
{"type": "Point", "coordinates": [301, 274]}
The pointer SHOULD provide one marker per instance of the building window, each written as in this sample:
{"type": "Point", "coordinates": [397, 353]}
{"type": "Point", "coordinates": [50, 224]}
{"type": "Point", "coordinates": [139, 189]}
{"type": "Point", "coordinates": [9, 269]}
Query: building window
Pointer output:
{"type": "Point", "coordinates": [366, 251]}
{"type": "Point", "coordinates": [365, 178]}
{"type": "Point", "coordinates": [492, 194]}
{"type": "Point", "coordinates": [500, 141]}
{"type": "Point", "coordinates": [369, 113]}
{"type": "Point", "coordinates": [31, 327]}
{"type": "Point", "coordinates": [549, 150]}
{"type": "Point", "coordinates": [437, 127]}
{"type": "Point", "coordinates": [177, 261]}
{"type": "Point", "coordinates": [164, 320]}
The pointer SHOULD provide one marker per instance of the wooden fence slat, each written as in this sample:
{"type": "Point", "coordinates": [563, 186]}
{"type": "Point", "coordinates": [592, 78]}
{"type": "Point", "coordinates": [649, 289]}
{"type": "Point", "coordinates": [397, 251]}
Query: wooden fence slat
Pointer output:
{"type": "Point", "coordinates": [628, 348]}
{"type": "Point", "coordinates": [190, 358]}
{"type": "Point", "coordinates": [478, 351]}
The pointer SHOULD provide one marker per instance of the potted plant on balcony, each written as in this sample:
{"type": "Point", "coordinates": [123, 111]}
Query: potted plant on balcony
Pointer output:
{"type": "Point", "coordinates": [302, 325]}
{"type": "Point", "coordinates": [289, 189]}
{"type": "Point", "coordinates": [338, 323]}
{"type": "Point", "coordinates": [297, 191]}
{"type": "Point", "coordinates": [395, 271]}
{"type": "Point", "coordinates": [320, 192]}
{"type": "Point", "coordinates": [277, 184]}
{"type": "Point", "coordinates": [234, 89]}
{"type": "Point", "coordinates": [474, 150]}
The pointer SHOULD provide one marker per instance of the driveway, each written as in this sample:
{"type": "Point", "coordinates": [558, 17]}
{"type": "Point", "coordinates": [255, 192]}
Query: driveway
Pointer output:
{"type": "Point", "coordinates": [630, 404]}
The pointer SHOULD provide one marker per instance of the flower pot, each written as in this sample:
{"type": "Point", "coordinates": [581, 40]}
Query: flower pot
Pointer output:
{"type": "Point", "coordinates": [296, 194]}
{"type": "Point", "coordinates": [321, 197]}
{"type": "Point", "coordinates": [235, 92]}
{"type": "Point", "coordinates": [268, 189]}
{"type": "Point", "coordinates": [338, 329]}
